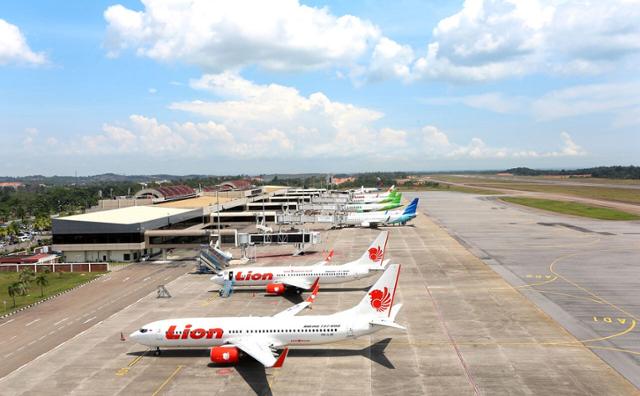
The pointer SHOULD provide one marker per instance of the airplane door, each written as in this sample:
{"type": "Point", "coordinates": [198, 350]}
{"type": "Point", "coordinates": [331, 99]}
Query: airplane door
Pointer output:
{"type": "Point", "coordinates": [230, 275]}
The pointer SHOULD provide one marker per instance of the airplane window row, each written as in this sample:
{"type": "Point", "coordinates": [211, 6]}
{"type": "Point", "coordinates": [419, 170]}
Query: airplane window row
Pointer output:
{"type": "Point", "coordinates": [331, 330]}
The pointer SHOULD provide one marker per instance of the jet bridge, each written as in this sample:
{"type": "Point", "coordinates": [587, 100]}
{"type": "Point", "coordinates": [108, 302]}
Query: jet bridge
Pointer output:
{"type": "Point", "coordinates": [300, 239]}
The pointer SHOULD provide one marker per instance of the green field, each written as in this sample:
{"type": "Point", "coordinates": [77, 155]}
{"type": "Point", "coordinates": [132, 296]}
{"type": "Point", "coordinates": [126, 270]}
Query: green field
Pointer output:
{"type": "Point", "coordinates": [58, 282]}
{"type": "Point", "coordinates": [573, 208]}
{"type": "Point", "coordinates": [449, 187]}
{"type": "Point", "coordinates": [612, 193]}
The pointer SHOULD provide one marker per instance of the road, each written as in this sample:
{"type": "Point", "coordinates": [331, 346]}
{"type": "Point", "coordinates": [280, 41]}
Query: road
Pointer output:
{"type": "Point", "coordinates": [33, 332]}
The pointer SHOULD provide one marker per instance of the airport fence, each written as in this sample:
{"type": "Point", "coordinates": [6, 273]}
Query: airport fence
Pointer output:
{"type": "Point", "coordinates": [56, 267]}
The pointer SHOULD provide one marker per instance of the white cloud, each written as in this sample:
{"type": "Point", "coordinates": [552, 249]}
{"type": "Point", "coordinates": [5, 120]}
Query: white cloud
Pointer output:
{"type": "Point", "coordinates": [30, 135]}
{"type": "Point", "coordinates": [392, 137]}
{"type": "Point", "coordinates": [220, 35]}
{"type": "Point", "coordinates": [314, 124]}
{"type": "Point", "coordinates": [492, 101]}
{"type": "Point", "coordinates": [617, 98]}
{"type": "Point", "coordinates": [621, 101]}
{"type": "Point", "coordinates": [14, 48]}
{"type": "Point", "coordinates": [495, 39]}
{"type": "Point", "coordinates": [436, 144]}
{"type": "Point", "coordinates": [275, 122]}
{"type": "Point", "coordinates": [145, 135]}
{"type": "Point", "coordinates": [390, 59]}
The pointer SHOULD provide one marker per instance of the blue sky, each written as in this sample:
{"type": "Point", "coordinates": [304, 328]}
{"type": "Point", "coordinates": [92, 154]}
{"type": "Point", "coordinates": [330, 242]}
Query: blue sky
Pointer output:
{"type": "Point", "coordinates": [249, 87]}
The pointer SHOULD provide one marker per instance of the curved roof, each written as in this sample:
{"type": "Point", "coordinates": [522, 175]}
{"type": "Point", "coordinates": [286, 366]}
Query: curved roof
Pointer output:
{"type": "Point", "coordinates": [167, 193]}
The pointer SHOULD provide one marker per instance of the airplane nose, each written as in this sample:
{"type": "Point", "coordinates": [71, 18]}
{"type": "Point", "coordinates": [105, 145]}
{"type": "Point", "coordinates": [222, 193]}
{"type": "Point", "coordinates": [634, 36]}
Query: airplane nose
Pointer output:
{"type": "Point", "coordinates": [134, 336]}
{"type": "Point", "coordinates": [217, 279]}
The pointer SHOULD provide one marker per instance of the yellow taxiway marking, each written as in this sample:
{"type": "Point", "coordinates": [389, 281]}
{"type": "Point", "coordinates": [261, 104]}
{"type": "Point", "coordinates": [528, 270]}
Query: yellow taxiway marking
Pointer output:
{"type": "Point", "coordinates": [527, 285]}
{"type": "Point", "coordinates": [570, 295]}
{"type": "Point", "coordinates": [125, 370]}
{"type": "Point", "coordinates": [169, 378]}
{"type": "Point", "coordinates": [208, 301]}
{"type": "Point", "coordinates": [614, 349]}
{"type": "Point", "coordinates": [589, 292]}
{"type": "Point", "coordinates": [136, 360]}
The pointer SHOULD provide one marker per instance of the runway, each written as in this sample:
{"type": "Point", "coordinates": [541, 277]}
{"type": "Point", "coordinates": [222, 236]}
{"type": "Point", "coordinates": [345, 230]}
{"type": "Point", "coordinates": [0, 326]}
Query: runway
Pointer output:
{"type": "Point", "coordinates": [582, 272]}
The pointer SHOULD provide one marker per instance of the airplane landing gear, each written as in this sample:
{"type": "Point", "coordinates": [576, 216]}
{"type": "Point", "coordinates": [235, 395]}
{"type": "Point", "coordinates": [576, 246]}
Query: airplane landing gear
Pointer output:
{"type": "Point", "coordinates": [157, 352]}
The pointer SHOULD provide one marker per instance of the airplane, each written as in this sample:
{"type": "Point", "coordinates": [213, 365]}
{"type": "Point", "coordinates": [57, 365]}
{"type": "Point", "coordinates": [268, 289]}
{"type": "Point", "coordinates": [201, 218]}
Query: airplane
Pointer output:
{"type": "Point", "coordinates": [260, 336]}
{"type": "Point", "coordinates": [278, 279]}
{"type": "Point", "coordinates": [374, 219]}
{"type": "Point", "coordinates": [373, 198]}
{"type": "Point", "coordinates": [369, 207]}
{"type": "Point", "coordinates": [372, 193]}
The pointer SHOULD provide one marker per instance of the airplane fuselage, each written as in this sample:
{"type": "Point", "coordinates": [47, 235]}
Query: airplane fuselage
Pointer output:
{"type": "Point", "coordinates": [278, 332]}
{"type": "Point", "coordinates": [262, 276]}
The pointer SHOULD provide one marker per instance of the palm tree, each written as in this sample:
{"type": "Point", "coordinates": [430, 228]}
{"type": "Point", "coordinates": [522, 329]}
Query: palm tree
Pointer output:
{"type": "Point", "coordinates": [13, 229]}
{"type": "Point", "coordinates": [25, 277]}
{"type": "Point", "coordinates": [42, 281]}
{"type": "Point", "coordinates": [15, 289]}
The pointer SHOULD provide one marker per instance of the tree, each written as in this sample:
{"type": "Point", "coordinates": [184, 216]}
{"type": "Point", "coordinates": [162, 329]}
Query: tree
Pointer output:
{"type": "Point", "coordinates": [42, 223]}
{"type": "Point", "coordinates": [42, 281]}
{"type": "Point", "coordinates": [26, 277]}
{"type": "Point", "coordinates": [13, 229]}
{"type": "Point", "coordinates": [15, 289]}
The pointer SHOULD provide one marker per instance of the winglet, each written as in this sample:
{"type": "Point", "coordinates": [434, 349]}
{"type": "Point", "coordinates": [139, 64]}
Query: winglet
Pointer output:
{"type": "Point", "coordinates": [314, 293]}
{"type": "Point", "coordinates": [329, 256]}
{"type": "Point", "coordinates": [281, 358]}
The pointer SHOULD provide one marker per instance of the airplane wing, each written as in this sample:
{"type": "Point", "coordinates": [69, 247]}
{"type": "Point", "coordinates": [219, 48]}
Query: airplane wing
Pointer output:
{"type": "Point", "coordinates": [294, 310]}
{"type": "Point", "coordinates": [260, 350]}
{"type": "Point", "coordinates": [299, 283]}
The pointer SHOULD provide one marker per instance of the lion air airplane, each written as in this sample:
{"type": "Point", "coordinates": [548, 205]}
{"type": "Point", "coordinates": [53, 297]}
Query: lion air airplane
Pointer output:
{"type": "Point", "coordinates": [277, 279]}
{"type": "Point", "coordinates": [260, 336]}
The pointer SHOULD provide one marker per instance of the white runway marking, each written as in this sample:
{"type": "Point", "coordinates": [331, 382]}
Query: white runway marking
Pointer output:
{"type": "Point", "coordinates": [89, 320]}
{"type": "Point", "coordinates": [60, 321]}
{"type": "Point", "coordinates": [32, 322]}
{"type": "Point", "coordinates": [7, 322]}
{"type": "Point", "coordinates": [126, 279]}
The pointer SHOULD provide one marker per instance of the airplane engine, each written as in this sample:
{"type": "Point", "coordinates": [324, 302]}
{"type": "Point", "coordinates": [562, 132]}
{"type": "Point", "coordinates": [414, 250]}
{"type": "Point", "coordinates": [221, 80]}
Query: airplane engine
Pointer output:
{"type": "Point", "coordinates": [276, 288]}
{"type": "Point", "coordinates": [221, 355]}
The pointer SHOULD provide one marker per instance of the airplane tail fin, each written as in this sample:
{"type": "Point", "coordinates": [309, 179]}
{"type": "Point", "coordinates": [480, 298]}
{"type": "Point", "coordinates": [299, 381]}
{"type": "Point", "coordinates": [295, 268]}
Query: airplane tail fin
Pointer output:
{"type": "Point", "coordinates": [397, 198]}
{"type": "Point", "coordinates": [374, 255]}
{"type": "Point", "coordinates": [378, 302]}
{"type": "Point", "coordinates": [412, 207]}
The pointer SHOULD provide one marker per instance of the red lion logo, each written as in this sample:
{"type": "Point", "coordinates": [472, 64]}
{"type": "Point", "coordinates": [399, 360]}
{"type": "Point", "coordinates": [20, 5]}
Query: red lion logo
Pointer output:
{"type": "Point", "coordinates": [375, 254]}
{"type": "Point", "coordinates": [380, 299]}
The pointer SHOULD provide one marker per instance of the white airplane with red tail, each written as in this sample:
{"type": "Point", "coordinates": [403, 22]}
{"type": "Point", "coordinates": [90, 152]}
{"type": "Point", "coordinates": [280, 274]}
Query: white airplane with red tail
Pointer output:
{"type": "Point", "coordinates": [260, 337]}
{"type": "Point", "coordinates": [277, 279]}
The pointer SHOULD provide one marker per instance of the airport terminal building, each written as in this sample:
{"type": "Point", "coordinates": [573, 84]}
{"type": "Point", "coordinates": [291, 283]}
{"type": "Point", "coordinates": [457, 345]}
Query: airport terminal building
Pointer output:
{"type": "Point", "coordinates": [118, 234]}
{"type": "Point", "coordinates": [125, 231]}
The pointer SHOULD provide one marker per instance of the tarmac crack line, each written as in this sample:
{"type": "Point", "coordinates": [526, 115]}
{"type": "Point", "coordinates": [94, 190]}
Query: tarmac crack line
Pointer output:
{"type": "Point", "coordinates": [452, 342]}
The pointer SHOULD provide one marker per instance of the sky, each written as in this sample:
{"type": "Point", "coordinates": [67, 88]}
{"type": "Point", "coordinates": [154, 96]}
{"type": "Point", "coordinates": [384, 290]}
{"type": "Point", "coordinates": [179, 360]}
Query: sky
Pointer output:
{"type": "Point", "coordinates": [252, 87]}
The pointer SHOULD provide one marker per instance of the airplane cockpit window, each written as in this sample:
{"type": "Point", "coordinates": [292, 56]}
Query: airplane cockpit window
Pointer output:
{"type": "Point", "coordinates": [143, 330]}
